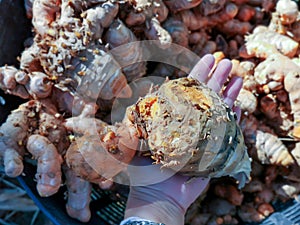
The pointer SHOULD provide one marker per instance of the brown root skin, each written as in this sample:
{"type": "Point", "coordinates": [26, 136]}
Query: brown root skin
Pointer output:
{"type": "Point", "coordinates": [34, 85]}
{"type": "Point", "coordinates": [144, 13]}
{"type": "Point", "coordinates": [248, 213]}
{"type": "Point", "coordinates": [86, 125]}
{"type": "Point", "coordinates": [179, 5]}
{"type": "Point", "coordinates": [157, 32]}
{"type": "Point", "coordinates": [79, 196]}
{"type": "Point", "coordinates": [102, 153]}
{"type": "Point", "coordinates": [119, 34]}
{"type": "Point", "coordinates": [33, 117]}
{"type": "Point", "coordinates": [44, 12]}
{"type": "Point", "coordinates": [14, 134]}
{"type": "Point", "coordinates": [178, 31]}
{"type": "Point", "coordinates": [101, 14]}
{"type": "Point", "coordinates": [49, 164]}
{"type": "Point", "coordinates": [170, 118]}
{"type": "Point", "coordinates": [264, 145]}
{"type": "Point", "coordinates": [264, 42]}
{"type": "Point", "coordinates": [30, 61]}
{"type": "Point", "coordinates": [230, 193]}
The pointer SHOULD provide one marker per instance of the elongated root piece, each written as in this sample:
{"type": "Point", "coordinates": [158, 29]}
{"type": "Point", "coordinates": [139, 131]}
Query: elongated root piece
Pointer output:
{"type": "Point", "coordinates": [13, 137]}
{"type": "Point", "coordinates": [264, 145]}
{"type": "Point", "coordinates": [49, 164]}
{"type": "Point", "coordinates": [79, 196]}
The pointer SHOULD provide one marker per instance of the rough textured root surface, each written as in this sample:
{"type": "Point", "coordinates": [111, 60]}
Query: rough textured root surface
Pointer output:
{"type": "Point", "coordinates": [98, 157]}
{"type": "Point", "coordinates": [127, 55]}
{"type": "Point", "coordinates": [13, 136]}
{"type": "Point", "coordinates": [79, 196]}
{"type": "Point", "coordinates": [263, 43]}
{"type": "Point", "coordinates": [83, 79]}
{"type": "Point", "coordinates": [190, 129]}
{"type": "Point", "coordinates": [263, 144]}
{"type": "Point", "coordinates": [49, 164]}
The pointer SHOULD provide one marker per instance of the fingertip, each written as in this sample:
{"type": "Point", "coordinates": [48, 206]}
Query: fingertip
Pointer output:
{"type": "Point", "coordinates": [232, 90]}
{"type": "Point", "coordinates": [203, 67]}
{"type": "Point", "coordinates": [220, 75]}
{"type": "Point", "coordinates": [226, 63]}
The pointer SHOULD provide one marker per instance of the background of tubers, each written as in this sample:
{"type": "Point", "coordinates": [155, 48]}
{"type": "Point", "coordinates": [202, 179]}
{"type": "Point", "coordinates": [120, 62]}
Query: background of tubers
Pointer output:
{"type": "Point", "coordinates": [67, 48]}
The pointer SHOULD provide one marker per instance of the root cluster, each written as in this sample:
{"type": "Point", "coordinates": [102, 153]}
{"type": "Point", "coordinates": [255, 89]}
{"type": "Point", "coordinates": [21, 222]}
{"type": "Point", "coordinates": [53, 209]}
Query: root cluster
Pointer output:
{"type": "Point", "coordinates": [73, 71]}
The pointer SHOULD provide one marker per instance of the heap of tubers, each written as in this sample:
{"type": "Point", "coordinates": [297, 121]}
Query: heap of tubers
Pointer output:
{"type": "Point", "coordinates": [64, 119]}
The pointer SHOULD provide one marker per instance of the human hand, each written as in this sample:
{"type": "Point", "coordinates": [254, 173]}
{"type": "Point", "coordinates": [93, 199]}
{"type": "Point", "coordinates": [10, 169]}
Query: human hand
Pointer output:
{"type": "Point", "coordinates": [162, 195]}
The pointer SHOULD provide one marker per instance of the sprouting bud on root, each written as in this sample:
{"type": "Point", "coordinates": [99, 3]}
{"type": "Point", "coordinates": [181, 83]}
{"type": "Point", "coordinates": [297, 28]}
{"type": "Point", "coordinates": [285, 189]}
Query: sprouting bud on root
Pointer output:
{"type": "Point", "coordinates": [191, 130]}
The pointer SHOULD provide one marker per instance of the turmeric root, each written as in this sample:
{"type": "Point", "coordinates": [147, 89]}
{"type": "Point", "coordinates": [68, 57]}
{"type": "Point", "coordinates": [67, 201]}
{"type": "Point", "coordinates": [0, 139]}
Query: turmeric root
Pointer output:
{"type": "Point", "coordinates": [100, 157]}
{"type": "Point", "coordinates": [32, 85]}
{"type": "Point", "coordinates": [178, 5]}
{"type": "Point", "coordinates": [14, 134]}
{"type": "Point", "coordinates": [35, 128]}
{"type": "Point", "coordinates": [79, 196]}
{"type": "Point", "coordinates": [287, 10]}
{"type": "Point", "coordinates": [180, 141]}
{"type": "Point", "coordinates": [49, 164]}
{"type": "Point", "coordinates": [263, 144]}
{"type": "Point", "coordinates": [264, 42]}
{"type": "Point", "coordinates": [119, 35]}
{"type": "Point", "coordinates": [248, 213]}
{"type": "Point", "coordinates": [291, 82]}
{"type": "Point", "coordinates": [83, 78]}
{"type": "Point", "coordinates": [44, 13]}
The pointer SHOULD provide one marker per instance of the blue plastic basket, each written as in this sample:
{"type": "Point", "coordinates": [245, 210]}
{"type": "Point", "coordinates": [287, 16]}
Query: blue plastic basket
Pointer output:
{"type": "Point", "coordinates": [108, 206]}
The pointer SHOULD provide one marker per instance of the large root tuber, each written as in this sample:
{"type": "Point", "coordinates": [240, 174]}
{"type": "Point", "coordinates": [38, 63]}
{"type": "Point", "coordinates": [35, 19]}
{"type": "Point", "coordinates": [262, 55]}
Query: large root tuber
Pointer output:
{"type": "Point", "coordinates": [190, 129]}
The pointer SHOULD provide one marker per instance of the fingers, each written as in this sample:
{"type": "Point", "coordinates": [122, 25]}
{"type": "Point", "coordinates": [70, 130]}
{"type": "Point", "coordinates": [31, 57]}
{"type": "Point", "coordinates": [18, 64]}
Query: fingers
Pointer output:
{"type": "Point", "coordinates": [232, 90]}
{"type": "Point", "coordinates": [202, 69]}
{"type": "Point", "coordinates": [220, 75]}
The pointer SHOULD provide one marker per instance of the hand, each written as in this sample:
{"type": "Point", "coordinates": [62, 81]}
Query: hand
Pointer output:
{"type": "Point", "coordinates": [161, 195]}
